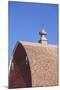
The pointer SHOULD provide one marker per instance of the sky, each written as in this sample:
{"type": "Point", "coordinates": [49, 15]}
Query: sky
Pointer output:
{"type": "Point", "coordinates": [26, 19]}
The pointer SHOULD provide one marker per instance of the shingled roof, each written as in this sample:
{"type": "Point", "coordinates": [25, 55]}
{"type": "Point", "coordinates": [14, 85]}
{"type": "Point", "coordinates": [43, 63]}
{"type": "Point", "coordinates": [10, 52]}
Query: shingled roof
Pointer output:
{"type": "Point", "coordinates": [41, 61]}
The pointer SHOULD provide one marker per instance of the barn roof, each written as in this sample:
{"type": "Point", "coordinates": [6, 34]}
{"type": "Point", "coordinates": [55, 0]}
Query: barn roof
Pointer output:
{"type": "Point", "coordinates": [43, 61]}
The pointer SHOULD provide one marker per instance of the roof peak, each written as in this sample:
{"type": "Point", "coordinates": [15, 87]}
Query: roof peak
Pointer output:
{"type": "Point", "coordinates": [34, 44]}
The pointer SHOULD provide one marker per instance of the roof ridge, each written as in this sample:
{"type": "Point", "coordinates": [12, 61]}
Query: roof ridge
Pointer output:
{"type": "Point", "coordinates": [36, 44]}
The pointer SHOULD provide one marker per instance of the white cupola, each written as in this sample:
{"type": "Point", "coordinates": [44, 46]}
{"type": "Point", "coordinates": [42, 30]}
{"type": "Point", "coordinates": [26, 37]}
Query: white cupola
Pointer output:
{"type": "Point", "coordinates": [43, 39]}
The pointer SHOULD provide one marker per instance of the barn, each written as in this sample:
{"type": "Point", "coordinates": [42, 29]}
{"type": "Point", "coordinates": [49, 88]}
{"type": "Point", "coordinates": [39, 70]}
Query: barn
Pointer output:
{"type": "Point", "coordinates": [33, 65]}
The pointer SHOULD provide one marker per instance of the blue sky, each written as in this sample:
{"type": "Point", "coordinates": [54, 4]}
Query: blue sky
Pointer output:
{"type": "Point", "coordinates": [26, 19]}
